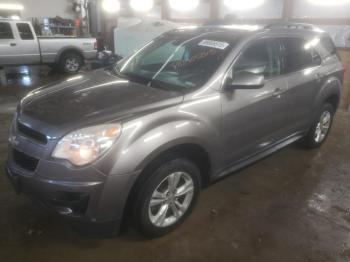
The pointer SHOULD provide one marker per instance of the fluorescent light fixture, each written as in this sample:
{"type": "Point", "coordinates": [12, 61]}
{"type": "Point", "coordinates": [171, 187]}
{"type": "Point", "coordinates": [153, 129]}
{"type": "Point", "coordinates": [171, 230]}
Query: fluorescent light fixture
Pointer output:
{"type": "Point", "coordinates": [15, 17]}
{"type": "Point", "coordinates": [239, 5]}
{"type": "Point", "coordinates": [244, 27]}
{"type": "Point", "coordinates": [188, 27]}
{"type": "Point", "coordinates": [329, 3]}
{"type": "Point", "coordinates": [111, 6]}
{"type": "Point", "coordinates": [11, 7]}
{"type": "Point", "coordinates": [184, 5]}
{"type": "Point", "coordinates": [141, 5]}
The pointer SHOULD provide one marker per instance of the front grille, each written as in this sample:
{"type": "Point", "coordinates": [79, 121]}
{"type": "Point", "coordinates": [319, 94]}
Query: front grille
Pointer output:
{"type": "Point", "coordinates": [24, 161]}
{"type": "Point", "coordinates": [29, 132]}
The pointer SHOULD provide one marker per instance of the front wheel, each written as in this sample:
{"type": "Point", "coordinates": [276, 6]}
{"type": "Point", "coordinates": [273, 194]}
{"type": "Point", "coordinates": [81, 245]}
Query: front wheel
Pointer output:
{"type": "Point", "coordinates": [167, 197]}
{"type": "Point", "coordinates": [320, 128]}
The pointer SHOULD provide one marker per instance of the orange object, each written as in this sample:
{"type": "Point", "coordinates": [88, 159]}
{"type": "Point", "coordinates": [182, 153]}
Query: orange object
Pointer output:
{"type": "Point", "coordinates": [77, 22]}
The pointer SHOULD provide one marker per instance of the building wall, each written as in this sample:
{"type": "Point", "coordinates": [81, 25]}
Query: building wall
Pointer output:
{"type": "Point", "coordinates": [269, 9]}
{"type": "Point", "coordinates": [45, 8]}
{"type": "Point", "coordinates": [345, 100]}
{"type": "Point", "coordinates": [305, 9]}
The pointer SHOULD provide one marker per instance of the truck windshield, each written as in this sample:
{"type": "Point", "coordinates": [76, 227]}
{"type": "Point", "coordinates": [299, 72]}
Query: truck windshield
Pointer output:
{"type": "Point", "coordinates": [177, 60]}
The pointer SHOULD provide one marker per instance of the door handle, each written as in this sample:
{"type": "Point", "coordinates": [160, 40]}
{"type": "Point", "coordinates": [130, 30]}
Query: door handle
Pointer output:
{"type": "Point", "coordinates": [13, 44]}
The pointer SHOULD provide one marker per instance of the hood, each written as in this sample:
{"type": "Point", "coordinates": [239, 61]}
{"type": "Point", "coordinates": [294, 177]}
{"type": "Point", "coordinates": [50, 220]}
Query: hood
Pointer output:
{"type": "Point", "coordinates": [97, 96]}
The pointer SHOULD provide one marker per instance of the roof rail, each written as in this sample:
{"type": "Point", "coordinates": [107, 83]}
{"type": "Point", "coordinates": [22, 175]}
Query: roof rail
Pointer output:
{"type": "Point", "coordinates": [292, 26]}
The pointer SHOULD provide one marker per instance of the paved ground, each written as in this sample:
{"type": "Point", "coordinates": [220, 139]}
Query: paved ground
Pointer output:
{"type": "Point", "coordinates": [292, 206]}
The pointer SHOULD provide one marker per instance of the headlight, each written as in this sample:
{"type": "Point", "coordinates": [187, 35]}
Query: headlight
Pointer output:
{"type": "Point", "coordinates": [83, 146]}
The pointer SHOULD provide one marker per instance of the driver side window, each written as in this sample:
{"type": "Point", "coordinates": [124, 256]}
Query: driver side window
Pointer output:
{"type": "Point", "coordinates": [259, 58]}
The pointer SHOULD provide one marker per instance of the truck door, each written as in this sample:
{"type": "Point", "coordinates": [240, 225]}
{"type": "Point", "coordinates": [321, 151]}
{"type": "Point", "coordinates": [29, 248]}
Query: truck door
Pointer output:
{"type": "Point", "coordinates": [28, 44]}
{"type": "Point", "coordinates": [9, 49]}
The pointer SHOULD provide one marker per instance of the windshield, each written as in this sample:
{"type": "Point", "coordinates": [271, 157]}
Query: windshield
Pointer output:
{"type": "Point", "coordinates": [178, 60]}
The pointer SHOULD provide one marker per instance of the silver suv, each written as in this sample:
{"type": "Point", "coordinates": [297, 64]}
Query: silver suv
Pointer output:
{"type": "Point", "coordinates": [138, 141]}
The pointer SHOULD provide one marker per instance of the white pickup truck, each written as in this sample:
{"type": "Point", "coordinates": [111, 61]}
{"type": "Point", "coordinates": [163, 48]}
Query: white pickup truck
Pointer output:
{"type": "Point", "coordinates": [19, 45]}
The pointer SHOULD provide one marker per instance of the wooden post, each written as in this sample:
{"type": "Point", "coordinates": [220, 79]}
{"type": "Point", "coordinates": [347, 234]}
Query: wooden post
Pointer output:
{"type": "Point", "coordinates": [165, 10]}
{"type": "Point", "coordinates": [287, 11]}
{"type": "Point", "coordinates": [214, 9]}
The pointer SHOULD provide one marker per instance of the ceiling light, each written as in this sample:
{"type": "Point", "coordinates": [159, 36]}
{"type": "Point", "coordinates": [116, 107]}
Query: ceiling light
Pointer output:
{"type": "Point", "coordinates": [329, 3]}
{"type": "Point", "coordinates": [141, 5]}
{"type": "Point", "coordinates": [11, 7]}
{"type": "Point", "coordinates": [183, 5]}
{"type": "Point", "coordinates": [111, 6]}
{"type": "Point", "coordinates": [15, 17]}
{"type": "Point", "coordinates": [243, 5]}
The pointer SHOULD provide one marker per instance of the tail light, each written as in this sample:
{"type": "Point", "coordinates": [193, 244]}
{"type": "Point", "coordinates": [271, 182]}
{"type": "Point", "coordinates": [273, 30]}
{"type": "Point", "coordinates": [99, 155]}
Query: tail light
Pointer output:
{"type": "Point", "coordinates": [95, 45]}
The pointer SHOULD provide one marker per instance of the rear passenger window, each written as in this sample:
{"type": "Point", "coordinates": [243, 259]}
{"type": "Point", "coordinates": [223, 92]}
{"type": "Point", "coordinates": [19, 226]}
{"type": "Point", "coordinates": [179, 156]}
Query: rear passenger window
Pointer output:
{"type": "Point", "coordinates": [24, 31]}
{"type": "Point", "coordinates": [298, 54]}
{"type": "Point", "coordinates": [259, 58]}
{"type": "Point", "coordinates": [5, 31]}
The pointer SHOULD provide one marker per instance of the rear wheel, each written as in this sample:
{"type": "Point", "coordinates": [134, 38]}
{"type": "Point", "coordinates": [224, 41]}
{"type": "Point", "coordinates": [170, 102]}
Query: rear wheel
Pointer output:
{"type": "Point", "coordinates": [71, 63]}
{"type": "Point", "coordinates": [320, 128]}
{"type": "Point", "coordinates": [167, 197]}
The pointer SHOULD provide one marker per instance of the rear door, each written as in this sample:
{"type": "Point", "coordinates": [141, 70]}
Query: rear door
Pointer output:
{"type": "Point", "coordinates": [255, 119]}
{"type": "Point", "coordinates": [9, 49]}
{"type": "Point", "coordinates": [28, 44]}
{"type": "Point", "coordinates": [301, 66]}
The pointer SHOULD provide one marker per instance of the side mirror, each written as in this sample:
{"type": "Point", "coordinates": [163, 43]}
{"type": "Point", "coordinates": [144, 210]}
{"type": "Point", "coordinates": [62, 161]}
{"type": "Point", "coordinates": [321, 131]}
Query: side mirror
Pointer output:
{"type": "Point", "coordinates": [246, 80]}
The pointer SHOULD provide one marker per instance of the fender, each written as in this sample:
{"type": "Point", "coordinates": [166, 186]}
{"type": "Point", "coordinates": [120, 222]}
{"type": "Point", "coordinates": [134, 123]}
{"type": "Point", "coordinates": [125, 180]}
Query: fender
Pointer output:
{"type": "Point", "coordinates": [332, 87]}
{"type": "Point", "coordinates": [68, 48]}
{"type": "Point", "coordinates": [144, 139]}
{"type": "Point", "coordinates": [152, 143]}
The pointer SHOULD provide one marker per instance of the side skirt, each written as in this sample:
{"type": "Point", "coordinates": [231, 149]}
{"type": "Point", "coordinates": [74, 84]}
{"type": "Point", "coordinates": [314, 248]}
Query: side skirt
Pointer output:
{"type": "Point", "coordinates": [254, 158]}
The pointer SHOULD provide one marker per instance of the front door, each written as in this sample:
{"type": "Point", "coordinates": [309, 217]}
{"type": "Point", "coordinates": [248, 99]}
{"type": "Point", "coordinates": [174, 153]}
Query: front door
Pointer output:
{"type": "Point", "coordinates": [254, 119]}
{"type": "Point", "coordinates": [9, 48]}
{"type": "Point", "coordinates": [28, 43]}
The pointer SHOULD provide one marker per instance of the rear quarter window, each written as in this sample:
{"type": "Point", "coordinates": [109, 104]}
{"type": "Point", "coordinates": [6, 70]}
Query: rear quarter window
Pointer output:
{"type": "Point", "coordinates": [298, 54]}
{"type": "Point", "coordinates": [327, 47]}
{"type": "Point", "coordinates": [24, 31]}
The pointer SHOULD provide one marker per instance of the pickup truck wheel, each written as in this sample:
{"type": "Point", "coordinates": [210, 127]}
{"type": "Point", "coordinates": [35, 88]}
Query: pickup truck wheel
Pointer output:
{"type": "Point", "coordinates": [71, 63]}
{"type": "Point", "coordinates": [167, 197]}
{"type": "Point", "coordinates": [320, 128]}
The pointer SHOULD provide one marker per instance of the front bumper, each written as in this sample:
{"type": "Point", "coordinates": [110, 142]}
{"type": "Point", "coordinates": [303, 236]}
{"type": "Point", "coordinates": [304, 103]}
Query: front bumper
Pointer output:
{"type": "Point", "coordinates": [84, 195]}
{"type": "Point", "coordinates": [74, 200]}
{"type": "Point", "coordinates": [99, 202]}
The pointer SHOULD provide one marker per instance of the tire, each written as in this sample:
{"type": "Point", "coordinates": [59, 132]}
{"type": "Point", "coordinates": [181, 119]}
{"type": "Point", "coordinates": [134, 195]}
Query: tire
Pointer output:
{"type": "Point", "coordinates": [169, 208]}
{"type": "Point", "coordinates": [70, 63]}
{"type": "Point", "coordinates": [317, 134]}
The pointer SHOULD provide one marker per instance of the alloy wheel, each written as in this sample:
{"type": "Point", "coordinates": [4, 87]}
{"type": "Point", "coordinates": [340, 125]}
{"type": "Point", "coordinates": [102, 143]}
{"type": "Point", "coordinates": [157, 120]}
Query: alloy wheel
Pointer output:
{"type": "Point", "coordinates": [72, 64]}
{"type": "Point", "coordinates": [322, 127]}
{"type": "Point", "coordinates": [171, 199]}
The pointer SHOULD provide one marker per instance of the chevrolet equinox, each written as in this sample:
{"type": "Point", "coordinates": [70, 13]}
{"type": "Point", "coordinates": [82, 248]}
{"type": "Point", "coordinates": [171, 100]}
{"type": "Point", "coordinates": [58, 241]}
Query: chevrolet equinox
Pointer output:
{"type": "Point", "coordinates": [140, 139]}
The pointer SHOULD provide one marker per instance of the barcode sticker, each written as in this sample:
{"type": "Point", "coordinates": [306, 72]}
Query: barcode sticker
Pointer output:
{"type": "Point", "coordinates": [214, 44]}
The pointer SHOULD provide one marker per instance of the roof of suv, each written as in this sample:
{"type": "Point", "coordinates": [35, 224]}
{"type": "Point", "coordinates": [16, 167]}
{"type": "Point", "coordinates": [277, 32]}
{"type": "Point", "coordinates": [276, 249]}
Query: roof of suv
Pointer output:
{"type": "Point", "coordinates": [251, 29]}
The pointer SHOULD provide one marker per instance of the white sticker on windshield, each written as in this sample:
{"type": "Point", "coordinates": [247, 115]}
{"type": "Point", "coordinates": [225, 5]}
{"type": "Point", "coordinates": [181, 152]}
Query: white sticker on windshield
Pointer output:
{"type": "Point", "coordinates": [213, 44]}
